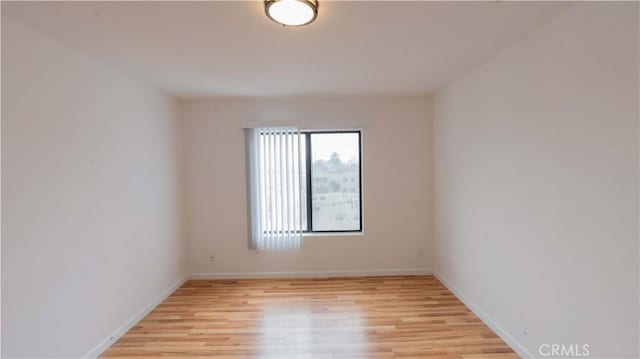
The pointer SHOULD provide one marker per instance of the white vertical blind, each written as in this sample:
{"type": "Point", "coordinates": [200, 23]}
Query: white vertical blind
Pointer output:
{"type": "Point", "coordinates": [275, 170]}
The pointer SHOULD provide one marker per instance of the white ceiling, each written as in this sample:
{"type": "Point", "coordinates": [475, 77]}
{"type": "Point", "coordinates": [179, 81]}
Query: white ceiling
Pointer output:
{"type": "Point", "coordinates": [200, 49]}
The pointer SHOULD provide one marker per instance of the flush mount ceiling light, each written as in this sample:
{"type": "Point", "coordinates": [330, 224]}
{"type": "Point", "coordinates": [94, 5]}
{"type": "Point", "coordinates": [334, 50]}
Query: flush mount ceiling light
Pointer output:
{"type": "Point", "coordinates": [291, 12]}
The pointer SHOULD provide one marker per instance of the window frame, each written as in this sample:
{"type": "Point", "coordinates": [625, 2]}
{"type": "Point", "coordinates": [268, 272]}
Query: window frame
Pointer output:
{"type": "Point", "coordinates": [309, 194]}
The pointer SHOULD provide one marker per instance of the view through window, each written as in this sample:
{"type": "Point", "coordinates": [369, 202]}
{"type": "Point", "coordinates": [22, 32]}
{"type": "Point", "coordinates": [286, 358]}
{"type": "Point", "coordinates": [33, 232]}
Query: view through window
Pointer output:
{"type": "Point", "coordinates": [335, 181]}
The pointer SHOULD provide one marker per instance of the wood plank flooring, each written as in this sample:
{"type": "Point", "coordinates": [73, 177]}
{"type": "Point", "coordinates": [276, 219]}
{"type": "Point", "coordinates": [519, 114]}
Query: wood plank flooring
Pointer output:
{"type": "Point", "coordinates": [369, 317]}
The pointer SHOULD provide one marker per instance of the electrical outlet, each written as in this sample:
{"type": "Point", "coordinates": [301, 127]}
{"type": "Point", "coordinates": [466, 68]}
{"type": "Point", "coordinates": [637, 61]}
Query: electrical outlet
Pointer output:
{"type": "Point", "coordinates": [212, 258]}
{"type": "Point", "coordinates": [420, 253]}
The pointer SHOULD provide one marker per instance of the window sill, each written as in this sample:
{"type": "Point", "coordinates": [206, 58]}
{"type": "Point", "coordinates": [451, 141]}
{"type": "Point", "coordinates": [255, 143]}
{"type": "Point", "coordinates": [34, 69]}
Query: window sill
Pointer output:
{"type": "Point", "coordinates": [333, 234]}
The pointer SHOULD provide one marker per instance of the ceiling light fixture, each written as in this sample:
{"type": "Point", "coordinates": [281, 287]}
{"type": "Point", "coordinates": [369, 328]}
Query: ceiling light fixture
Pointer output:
{"type": "Point", "coordinates": [291, 12]}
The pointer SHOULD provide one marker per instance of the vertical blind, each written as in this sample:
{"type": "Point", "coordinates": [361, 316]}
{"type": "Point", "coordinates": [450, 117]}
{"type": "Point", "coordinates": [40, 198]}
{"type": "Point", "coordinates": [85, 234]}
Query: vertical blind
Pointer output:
{"type": "Point", "coordinates": [275, 178]}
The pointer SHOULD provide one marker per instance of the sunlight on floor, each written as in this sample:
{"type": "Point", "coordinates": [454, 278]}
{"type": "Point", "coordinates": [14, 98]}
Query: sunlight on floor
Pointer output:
{"type": "Point", "coordinates": [299, 331]}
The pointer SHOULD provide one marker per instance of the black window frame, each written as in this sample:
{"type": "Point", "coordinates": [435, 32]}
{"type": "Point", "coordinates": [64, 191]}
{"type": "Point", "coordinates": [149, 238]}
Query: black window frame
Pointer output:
{"type": "Point", "coordinates": [309, 194]}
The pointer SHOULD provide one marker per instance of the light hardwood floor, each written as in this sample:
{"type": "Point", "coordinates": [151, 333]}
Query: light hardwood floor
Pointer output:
{"type": "Point", "coordinates": [371, 317]}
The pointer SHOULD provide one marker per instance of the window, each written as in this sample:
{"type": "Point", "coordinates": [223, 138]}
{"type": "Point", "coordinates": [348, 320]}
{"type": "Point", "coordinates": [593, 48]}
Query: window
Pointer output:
{"type": "Point", "coordinates": [333, 173]}
{"type": "Point", "coordinates": [303, 182]}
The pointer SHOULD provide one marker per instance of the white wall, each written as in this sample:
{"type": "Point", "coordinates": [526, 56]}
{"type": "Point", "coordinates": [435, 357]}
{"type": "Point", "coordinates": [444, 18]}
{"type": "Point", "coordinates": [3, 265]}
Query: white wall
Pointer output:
{"type": "Point", "coordinates": [396, 186]}
{"type": "Point", "coordinates": [91, 207]}
{"type": "Point", "coordinates": [536, 183]}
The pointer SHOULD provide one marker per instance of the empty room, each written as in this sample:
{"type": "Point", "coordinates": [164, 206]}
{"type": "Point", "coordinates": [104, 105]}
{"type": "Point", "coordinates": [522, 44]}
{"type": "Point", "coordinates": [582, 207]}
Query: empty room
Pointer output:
{"type": "Point", "coordinates": [320, 179]}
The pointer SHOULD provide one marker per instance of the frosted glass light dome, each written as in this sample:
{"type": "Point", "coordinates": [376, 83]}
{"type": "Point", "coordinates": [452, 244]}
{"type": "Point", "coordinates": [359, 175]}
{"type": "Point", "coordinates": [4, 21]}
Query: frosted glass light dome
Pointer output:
{"type": "Point", "coordinates": [291, 12]}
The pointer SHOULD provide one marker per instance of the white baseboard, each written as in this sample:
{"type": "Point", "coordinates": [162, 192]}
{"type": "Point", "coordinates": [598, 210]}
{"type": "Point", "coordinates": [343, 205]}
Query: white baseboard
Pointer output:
{"type": "Point", "coordinates": [513, 343]}
{"type": "Point", "coordinates": [312, 274]}
{"type": "Point", "coordinates": [106, 343]}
